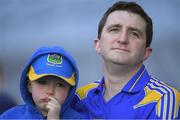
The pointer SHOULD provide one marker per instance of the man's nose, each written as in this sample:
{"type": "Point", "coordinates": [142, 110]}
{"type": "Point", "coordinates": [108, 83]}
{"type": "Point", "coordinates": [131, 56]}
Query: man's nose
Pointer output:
{"type": "Point", "coordinates": [123, 37]}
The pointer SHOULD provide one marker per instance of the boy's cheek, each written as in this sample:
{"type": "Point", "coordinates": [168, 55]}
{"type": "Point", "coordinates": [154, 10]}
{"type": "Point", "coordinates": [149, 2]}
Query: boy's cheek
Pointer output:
{"type": "Point", "coordinates": [62, 99]}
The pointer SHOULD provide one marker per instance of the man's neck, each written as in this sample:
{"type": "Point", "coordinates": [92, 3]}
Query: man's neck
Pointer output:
{"type": "Point", "coordinates": [116, 77]}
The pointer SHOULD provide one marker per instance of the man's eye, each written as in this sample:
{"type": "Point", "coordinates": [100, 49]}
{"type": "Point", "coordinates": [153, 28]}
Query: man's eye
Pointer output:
{"type": "Point", "coordinates": [134, 34]}
{"type": "Point", "coordinates": [113, 29]}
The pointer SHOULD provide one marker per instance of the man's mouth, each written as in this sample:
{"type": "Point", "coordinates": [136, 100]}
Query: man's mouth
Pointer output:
{"type": "Point", "coordinates": [121, 49]}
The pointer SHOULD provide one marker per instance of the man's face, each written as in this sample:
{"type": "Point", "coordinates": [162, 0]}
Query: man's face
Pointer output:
{"type": "Point", "coordinates": [123, 39]}
{"type": "Point", "coordinates": [47, 87]}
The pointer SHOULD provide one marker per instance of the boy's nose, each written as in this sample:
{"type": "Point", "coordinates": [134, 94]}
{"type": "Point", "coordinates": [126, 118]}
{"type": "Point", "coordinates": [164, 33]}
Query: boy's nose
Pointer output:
{"type": "Point", "coordinates": [50, 90]}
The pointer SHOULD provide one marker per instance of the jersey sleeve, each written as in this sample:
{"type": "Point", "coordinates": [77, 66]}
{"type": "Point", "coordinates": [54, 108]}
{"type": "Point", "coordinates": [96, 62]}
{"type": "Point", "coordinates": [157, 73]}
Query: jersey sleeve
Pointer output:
{"type": "Point", "coordinates": [78, 102]}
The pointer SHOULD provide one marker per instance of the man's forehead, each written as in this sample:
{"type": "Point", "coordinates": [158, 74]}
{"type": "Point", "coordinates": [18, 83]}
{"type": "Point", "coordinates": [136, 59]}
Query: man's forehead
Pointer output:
{"type": "Point", "coordinates": [125, 18]}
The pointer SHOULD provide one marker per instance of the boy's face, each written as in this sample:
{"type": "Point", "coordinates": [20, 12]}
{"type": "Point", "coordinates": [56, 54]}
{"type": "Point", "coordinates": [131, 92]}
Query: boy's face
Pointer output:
{"type": "Point", "coordinates": [48, 89]}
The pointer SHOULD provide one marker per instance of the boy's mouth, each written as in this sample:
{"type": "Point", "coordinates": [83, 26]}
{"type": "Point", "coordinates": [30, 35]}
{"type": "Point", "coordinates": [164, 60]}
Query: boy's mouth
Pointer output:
{"type": "Point", "coordinates": [46, 99]}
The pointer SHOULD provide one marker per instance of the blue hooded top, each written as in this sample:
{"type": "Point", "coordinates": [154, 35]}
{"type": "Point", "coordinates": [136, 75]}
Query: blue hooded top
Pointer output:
{"type": "Point", "coordinates": [28, 110]}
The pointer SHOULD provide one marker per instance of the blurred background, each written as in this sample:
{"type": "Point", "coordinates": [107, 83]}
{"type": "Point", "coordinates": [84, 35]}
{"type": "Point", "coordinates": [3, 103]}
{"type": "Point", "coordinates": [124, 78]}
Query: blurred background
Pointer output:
{"type": "Point", "coordinates": [25, 25]}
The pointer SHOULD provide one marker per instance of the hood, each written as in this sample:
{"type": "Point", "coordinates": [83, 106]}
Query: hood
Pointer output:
{"type": "Point", "coordinates": [23, 81]}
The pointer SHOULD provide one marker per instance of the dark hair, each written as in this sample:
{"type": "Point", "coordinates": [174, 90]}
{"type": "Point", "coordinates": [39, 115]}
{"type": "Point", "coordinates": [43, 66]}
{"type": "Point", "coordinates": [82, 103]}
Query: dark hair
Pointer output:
{"type": "Point", "coordinates": [133, 8]}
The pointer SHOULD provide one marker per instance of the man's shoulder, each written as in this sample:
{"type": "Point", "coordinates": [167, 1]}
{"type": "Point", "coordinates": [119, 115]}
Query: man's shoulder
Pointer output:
{"type": "Point", "coordinates": [83, 91]}
{"type": "Point", "coordinates": [166, 97]}
{"type": "Point", "coordinates": [156, 85]}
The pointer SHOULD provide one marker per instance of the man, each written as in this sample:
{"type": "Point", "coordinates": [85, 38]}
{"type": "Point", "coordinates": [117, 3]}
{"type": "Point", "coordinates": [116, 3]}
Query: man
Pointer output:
{"type": "Point", "coordinates": [126, 89]}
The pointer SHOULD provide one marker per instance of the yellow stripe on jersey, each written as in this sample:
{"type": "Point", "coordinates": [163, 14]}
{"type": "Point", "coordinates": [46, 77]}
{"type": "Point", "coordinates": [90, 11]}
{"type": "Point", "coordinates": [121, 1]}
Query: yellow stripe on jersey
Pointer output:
{"type": "Point", "coordinates": [173, 101]}
{"type": "Point", "coordinates": [177, 96]}
{"type": "Point", "coordinates": [137, 80]}
{"type": "Point", "coordinates": [177, 100]}
{"type": "Point", "coordinates": [82, 91]}
{"type": "Point", "coordinates": [151, 96]}
{"type": "Point", "coordinates": [158, 107]}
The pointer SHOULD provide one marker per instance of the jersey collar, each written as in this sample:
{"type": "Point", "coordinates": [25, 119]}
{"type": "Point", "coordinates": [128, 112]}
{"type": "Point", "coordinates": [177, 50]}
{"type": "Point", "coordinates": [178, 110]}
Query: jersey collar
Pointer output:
{"type": "Point", "coordinates": [135, 84]}
{"type": "Point", "coordinates": [138, 81]}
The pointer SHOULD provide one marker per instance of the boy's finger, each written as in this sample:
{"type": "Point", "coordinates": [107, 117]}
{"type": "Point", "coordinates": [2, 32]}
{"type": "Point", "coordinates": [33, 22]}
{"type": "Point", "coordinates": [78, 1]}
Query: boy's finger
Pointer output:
{"type": "Point", "coordinates": [53, 99]}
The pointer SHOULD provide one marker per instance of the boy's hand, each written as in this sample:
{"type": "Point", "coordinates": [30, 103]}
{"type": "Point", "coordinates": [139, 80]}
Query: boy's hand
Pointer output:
{"type": "Point", "coordinates": [54, 108]}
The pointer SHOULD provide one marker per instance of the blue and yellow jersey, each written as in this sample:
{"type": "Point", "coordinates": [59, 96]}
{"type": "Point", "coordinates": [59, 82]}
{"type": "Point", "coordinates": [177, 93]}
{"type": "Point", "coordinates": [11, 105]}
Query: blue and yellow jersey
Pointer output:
{"type": "Point", "coordinates": [143, 97]}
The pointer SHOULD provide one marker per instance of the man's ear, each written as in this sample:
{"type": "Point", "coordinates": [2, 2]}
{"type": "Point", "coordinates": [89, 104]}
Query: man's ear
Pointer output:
{"type": "Point", "coordinates": [147, 53]}
{"type": "Point", "coordinates": [97, 45]}
{"type": "Point", "coordinates": [29, 86]}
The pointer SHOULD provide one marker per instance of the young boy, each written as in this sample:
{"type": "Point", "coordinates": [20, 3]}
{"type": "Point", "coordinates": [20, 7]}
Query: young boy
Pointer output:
{"type": "Point", "coordinates": [48, 84]}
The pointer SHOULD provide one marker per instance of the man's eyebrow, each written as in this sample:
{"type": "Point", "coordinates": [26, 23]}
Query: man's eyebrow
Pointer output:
{"type": "Point", "coordinates": [113, 25]}
{"type": "Point", "coordinates": [130, 28]}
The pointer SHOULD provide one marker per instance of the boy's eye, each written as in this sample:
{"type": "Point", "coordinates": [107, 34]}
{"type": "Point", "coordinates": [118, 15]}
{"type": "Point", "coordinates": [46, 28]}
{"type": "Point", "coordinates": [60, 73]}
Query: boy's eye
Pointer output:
{"type": "Point", "coordinates": [42, 82]}
{"type": "Point", "coordinates": [60, 85]}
